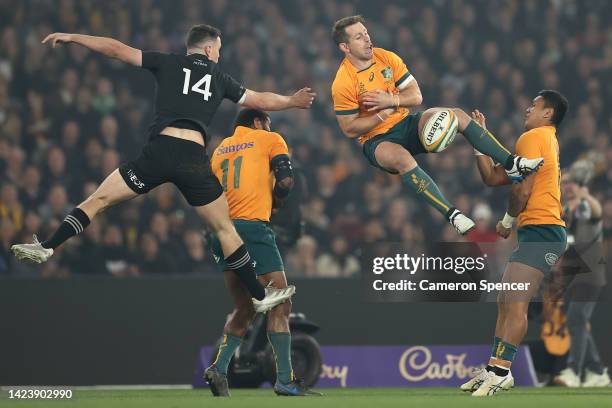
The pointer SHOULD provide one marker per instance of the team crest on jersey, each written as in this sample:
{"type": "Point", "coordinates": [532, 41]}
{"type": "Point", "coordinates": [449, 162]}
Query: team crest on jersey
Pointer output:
{"type": "Point", "coordinates": [371, 77]}
{"type": "Point", "coordinates": [387, 73]}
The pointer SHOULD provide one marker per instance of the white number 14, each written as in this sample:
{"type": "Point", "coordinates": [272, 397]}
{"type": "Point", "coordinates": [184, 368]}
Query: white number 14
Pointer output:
{"type": "Point", "coordinates": [196, 87]}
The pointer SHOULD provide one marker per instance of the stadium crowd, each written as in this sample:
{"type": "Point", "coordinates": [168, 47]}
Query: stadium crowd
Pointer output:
{"type": "Point", "coordinates": [69, 117]}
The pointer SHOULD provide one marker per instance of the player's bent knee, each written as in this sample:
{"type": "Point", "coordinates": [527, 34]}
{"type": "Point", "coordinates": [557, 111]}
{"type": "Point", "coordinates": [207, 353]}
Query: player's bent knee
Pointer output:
{"type": "Point", "coordinates": [395, 158]}
{"type": "Point", "coordinates": [463, 118]}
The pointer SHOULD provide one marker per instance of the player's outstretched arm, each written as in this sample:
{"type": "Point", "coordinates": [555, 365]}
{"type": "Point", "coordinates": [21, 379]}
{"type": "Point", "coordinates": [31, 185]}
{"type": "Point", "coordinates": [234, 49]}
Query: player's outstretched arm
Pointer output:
{"type": "Point", "coordinates": [491, 174]}
{"type": "Point", "coordinates": [269, 101]}
{"type": "Point", "coordinates": [106, 46]}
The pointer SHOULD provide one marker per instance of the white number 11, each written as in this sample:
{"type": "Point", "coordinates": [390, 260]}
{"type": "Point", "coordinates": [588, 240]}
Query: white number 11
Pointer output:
{"type": "Point", "coordinates": [196, 87]}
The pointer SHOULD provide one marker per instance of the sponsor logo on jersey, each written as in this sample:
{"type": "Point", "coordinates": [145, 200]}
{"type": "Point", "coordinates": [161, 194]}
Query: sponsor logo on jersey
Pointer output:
{"type": "Point", "coordinates": [235, 148]}
{"type": "Point", "coordinates": [200, 62]}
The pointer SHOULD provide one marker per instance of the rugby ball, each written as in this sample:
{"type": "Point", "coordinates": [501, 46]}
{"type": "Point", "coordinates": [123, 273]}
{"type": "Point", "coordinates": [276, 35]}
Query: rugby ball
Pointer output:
{"type": "Point", "coordinates": [439, 131]}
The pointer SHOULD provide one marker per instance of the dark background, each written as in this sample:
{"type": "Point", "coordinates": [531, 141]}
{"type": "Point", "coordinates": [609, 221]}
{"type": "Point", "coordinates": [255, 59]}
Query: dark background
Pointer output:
{"type": "Point", "coordinates": [149, 331]}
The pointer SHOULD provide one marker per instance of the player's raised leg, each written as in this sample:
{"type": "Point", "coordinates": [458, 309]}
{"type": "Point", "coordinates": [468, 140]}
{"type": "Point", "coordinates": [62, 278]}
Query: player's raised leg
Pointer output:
{"type": "Point", "coordinates": [395, 158]}
{"type": "Point", "coordinates": [113, 190]}
{"type": "Point", "coordinates": [485, 142]}
{"type": "Point", "coordinates": [216, 216]}
{"type": "Point", "coordinates": [237, 257]}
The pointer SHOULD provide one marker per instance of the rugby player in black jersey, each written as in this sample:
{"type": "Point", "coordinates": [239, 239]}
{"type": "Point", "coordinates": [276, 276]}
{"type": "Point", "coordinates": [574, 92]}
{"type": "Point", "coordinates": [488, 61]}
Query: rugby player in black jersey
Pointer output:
{"type": "Point", "coordinates": [190, 89]}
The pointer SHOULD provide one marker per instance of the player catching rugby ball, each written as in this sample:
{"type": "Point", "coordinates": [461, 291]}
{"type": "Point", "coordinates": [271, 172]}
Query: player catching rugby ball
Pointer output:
{"type": "Point", "coordinates": [372, 94]}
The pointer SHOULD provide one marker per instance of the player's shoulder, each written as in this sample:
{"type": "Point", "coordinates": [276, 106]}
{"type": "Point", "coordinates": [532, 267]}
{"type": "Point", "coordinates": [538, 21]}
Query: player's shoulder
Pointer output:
{"type": "Point", "coordinates": [268, 137]}
{"type": "Point", "coordinates": [344, 75]}
{"type": "Point", "coordinates": [383, 54]}
{"type": "Point", "coordinates": [537, 134]}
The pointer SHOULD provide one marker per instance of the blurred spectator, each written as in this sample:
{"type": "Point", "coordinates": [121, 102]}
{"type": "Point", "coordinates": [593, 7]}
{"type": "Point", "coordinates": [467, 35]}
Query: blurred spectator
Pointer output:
{"type": "Point", "coordinates": [151, 259]}
{"type": "Point", "coordinates": [196, 260]}
{"type": "Point", "coordinates": [484, 230]}
{"type": "Point", "coordinates": [10, 207]}
{"type": "Point", "coordinates": [301, 261]}
{"type": "Point", "coordinates": [338, 262]}
{"type": "Point", "coordinates": [117, 259]}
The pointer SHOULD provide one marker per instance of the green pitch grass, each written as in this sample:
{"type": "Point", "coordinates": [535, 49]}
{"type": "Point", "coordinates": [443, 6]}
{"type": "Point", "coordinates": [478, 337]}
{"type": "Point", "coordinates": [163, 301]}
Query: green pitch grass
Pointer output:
{"type": "Point", "coordinates": [334, 398]}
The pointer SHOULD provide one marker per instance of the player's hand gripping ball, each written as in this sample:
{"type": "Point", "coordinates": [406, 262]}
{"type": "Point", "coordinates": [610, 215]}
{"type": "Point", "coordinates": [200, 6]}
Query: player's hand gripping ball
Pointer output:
{"type": "Point", "coordinates": [439, 131]}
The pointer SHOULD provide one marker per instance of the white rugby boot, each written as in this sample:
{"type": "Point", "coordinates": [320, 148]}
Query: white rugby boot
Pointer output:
{"type": "Point", "coordinates": [34, 251]}
{"type": "Point", "coordinates": [492, 384]}
{"type": "Point", "coordinates": [461, 222]}
{"type": "Point", "coordinates": [475, 382]}
{"type": "Point", "coordinates": [273, 298]}
{"type": "Point", "coordinates": [523, 167]}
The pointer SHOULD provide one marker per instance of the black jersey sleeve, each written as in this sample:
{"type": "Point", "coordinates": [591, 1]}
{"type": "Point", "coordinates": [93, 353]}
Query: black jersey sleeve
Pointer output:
{"type": "Point", "coordinates": [233, 89]}
{"type": "Point", "coordinates": [153, 60]}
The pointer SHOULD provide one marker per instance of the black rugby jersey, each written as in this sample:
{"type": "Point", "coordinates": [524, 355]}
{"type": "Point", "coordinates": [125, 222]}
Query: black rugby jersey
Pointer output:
{"type": "Point", "coordinates": [189, 88]}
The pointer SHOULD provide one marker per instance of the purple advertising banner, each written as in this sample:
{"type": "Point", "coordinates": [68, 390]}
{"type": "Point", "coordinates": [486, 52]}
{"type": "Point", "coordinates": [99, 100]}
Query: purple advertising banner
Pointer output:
{"type": "Point", "coordinates": [402, 366]}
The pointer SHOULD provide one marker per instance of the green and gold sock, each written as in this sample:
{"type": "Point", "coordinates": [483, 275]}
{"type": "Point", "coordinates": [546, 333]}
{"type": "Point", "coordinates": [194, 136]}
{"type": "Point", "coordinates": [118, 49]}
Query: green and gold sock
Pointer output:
{"type": "Point", "coordinates": [505, 351]}
{"type": "Point", "coordinates": [486, 143]}
{"type": "Point", "coordinates": [281, 345]}
{"type": "Point", "coordinates": [496, 341]}
{"type": "Point", "coordinates": [226, 352]}
{"type": "Point", "coordinates": [427, 190]}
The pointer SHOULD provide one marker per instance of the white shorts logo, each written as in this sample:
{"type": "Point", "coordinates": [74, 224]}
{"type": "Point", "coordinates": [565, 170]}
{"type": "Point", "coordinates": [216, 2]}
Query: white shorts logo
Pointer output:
{"type": "Point", "coordinates": [551, 258]}
{"type": "Point", "coordinates": [135, 180]}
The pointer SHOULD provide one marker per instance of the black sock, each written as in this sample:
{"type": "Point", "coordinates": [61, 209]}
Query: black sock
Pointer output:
{"type": "Point", "coordinates": [73, 224]}
{"type": "Point", "coordinates": [509, 164]}
{"type": "Point", "coordinates": [489, 367]}
{"type": "Point", "coordinates": [240, 263]}
{"type": "Point", "coordinates": [500, 371]}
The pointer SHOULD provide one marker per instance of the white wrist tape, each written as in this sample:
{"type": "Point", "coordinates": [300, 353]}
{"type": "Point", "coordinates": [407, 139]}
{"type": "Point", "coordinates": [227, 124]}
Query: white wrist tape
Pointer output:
{"type": "Point", "coordinates": [507, 221]}
{"type": "Point", "coordinates": [477, 153]}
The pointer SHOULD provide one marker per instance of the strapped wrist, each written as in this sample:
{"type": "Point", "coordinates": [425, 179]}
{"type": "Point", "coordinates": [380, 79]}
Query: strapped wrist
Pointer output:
{"type": "Point", "coordinates": [507, 221]}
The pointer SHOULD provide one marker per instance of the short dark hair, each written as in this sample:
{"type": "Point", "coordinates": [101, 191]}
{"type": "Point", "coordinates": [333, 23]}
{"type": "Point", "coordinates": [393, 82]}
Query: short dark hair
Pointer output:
{"type": "Point", "coordinates": [246, 117]}
{"type": "Point", "coordinates": [559, 103]}
{"type": "Point", "coordinates": [339, 30]}
{"type": "Point", "coordinates": [200, 33]}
